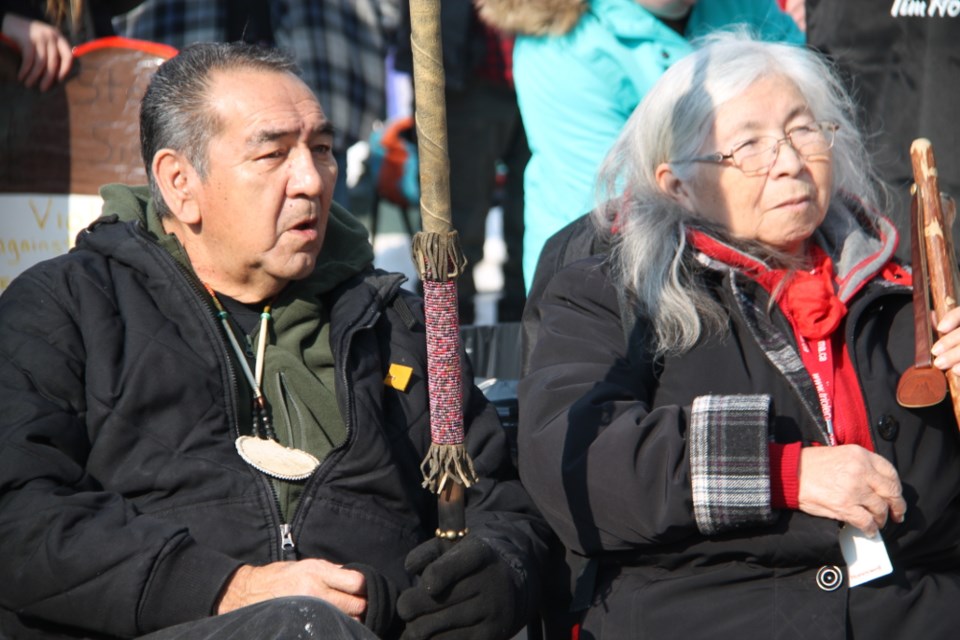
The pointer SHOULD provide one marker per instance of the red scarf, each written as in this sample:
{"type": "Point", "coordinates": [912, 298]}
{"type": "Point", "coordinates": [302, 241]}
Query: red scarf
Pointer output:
{"type": "Point", "coordinates": [808, 299]}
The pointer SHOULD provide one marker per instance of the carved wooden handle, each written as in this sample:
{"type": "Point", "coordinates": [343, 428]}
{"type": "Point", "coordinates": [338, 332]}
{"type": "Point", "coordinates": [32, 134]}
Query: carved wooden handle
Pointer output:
{"type": "Point", "coordinates": [941, 261]}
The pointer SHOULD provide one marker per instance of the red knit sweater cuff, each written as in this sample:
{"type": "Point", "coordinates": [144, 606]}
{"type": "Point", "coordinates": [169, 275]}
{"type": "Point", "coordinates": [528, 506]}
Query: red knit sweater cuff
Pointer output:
{"type": "Point", "coordinates": [784, 476]}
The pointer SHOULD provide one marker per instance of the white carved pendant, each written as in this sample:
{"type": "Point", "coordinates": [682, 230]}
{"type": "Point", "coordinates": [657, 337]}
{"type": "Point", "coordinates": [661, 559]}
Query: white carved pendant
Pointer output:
{"type": "Point", "coordinates": [274, 459]}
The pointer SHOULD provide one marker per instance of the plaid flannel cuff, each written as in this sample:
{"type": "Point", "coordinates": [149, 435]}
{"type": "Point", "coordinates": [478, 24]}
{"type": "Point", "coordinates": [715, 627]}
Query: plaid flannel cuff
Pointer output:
{"type": "Point", "coordinates": [729, 462]}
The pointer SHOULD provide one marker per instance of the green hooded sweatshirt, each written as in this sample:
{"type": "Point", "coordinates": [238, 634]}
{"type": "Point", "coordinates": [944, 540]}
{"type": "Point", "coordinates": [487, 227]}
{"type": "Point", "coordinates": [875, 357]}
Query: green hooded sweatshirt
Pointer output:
{"type": "Point", "coordinates": [298, 374]}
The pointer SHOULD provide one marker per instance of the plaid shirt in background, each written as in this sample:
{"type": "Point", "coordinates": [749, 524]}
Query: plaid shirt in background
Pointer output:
{"type": "Point", "coordinates": [174, 22]}
{"type": "Point", "coordinates": [340, 46]}
{"type": "Point", "coordinates": [497, 64]}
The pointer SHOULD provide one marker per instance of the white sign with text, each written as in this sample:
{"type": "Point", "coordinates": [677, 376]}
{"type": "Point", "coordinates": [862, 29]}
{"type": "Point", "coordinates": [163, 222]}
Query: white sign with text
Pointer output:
{"type": "Point", "coordinates": [38, 226]}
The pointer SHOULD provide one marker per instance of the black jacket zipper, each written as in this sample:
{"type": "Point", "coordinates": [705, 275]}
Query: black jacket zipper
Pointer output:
{"type": "Point", "coordinates": [286, 547]}
{"type": "Point", "coordinates": [366, 320]}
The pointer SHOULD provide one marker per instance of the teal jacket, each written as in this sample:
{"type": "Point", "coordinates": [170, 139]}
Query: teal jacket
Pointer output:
{"type": "Point", "coordinates": [577, 89]}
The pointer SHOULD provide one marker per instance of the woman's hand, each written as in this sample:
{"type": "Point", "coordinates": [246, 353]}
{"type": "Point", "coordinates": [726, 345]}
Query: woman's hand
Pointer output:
{"type": "Point", "coordinates": [946, 350]}
{"type": "Point", "coordinates": [46, 53]}
{"type": "Point", "coordinates": [850, 484]}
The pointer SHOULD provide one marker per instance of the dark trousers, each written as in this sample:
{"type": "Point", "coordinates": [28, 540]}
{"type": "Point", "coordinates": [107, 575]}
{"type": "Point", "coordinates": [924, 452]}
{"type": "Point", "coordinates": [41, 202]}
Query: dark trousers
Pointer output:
{"type": "Point", "coordinates": [484, 129]}
{"type": "Point", "coordinates": [280, 619]}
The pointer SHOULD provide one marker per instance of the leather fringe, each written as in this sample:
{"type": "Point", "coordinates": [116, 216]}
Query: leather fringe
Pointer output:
{"type": "Point", "coordinates": [445, 462]}
{"type": "Point", "coordinates": [438, 256]}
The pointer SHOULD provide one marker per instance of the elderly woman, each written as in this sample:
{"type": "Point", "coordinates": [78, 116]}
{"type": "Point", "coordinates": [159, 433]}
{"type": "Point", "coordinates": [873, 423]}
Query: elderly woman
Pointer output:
{"type": "Point", "coordinates": [710, 417]}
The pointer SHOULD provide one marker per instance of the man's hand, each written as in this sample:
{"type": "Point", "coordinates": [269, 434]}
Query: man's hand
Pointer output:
{"type": "Point", "coordinates": [465, 593]}
{"type": "Point", "coordinates": [46, 54]}
{"type": "Point", "coordinates": [850, 484]}
{"type": "Point", "coordinates": [343, 588]}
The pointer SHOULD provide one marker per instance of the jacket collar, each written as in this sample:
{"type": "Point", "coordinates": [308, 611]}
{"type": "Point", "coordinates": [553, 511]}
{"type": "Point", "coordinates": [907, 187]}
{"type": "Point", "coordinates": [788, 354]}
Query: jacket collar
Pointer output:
{"type": "Point", "coordinates": [859, 242]}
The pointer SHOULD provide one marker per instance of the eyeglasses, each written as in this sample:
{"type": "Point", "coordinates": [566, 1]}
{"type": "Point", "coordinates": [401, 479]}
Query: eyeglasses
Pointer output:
{"type": "Point", "coordinates": [757, 156]}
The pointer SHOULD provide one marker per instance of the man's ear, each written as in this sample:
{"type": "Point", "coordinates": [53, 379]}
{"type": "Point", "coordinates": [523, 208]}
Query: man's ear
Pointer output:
{"type": "Point", "coordinates": [178, 183]}
{"type": "Point", "coordinates": [673, 187]}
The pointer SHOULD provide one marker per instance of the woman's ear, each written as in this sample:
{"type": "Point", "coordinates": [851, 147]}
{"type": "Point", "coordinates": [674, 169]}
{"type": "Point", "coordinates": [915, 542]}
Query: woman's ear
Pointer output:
{"type": "Point", "coordinates": [673, 187]}
{"type": "Point", "coordinates": [178, 183]}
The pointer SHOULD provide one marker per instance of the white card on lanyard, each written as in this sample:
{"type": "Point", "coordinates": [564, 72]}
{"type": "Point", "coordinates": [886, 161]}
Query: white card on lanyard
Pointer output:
{"type": "Point", "coordinates": [866, 557]}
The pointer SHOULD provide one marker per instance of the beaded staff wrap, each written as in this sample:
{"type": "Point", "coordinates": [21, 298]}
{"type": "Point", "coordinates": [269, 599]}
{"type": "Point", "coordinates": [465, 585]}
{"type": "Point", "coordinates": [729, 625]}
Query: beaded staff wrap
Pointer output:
{"type": "Point", "coordinates": [447, 458]}
{"type": "Point", "coordinates": [439, 260]}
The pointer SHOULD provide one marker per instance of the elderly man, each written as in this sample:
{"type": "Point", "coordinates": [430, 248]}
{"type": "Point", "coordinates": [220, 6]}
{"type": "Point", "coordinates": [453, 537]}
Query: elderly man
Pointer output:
{"type": "Point", "coordinates": [214, 408]}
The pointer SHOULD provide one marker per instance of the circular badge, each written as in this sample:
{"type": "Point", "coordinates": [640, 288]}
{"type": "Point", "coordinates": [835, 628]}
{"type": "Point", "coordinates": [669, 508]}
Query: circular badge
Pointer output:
{"type": "Point", "coordinates": [829, 577]}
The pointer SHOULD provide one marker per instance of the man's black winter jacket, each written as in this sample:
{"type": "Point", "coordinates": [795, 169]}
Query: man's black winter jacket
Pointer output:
{"type": "Point", "coordinates": [124, 506]}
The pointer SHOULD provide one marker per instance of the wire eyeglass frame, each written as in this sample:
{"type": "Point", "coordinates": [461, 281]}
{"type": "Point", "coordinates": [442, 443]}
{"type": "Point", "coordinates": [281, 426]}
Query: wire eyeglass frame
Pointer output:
{"type": "Point", "coordinates": [822, 137]}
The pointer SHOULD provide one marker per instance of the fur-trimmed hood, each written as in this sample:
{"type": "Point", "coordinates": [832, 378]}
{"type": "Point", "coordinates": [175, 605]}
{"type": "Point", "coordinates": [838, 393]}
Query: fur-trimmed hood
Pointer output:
{"type": "Point", "coordinates": [532, 17]}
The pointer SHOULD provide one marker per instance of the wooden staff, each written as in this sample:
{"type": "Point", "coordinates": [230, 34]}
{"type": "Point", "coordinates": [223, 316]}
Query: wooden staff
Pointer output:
{"type": "Point", "coordinates": [941, 261]}
{"type": "Point", "coordinates": [922, 385]}
{"type": "Point", "coordinates": [447, 468]}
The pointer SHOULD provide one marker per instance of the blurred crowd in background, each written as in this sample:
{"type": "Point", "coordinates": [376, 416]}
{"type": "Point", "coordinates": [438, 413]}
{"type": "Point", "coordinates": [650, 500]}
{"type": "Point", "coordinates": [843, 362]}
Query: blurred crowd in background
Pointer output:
{"type": "Point", "coordinates": [536, 92]}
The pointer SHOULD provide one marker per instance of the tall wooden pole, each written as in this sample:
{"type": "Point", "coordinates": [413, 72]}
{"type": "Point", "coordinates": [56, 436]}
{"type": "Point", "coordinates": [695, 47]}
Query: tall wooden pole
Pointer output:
{"type": "Point", "coordinates": [447, 468]}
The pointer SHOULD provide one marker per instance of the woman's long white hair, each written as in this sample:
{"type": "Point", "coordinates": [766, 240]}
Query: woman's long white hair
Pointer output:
{"type": "Point", "coordinates": [648, 230]}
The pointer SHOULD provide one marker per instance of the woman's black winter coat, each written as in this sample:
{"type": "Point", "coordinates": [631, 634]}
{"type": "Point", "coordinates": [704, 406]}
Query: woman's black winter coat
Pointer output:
{"type": "Point", "coordinates": [605, 451]}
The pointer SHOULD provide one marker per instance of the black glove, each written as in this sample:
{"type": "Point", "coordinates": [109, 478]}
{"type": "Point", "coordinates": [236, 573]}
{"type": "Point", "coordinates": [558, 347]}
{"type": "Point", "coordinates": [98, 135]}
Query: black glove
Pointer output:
{"type": "Point", "coordinates": [466, 593]}
{"type": "Point", "coordinates": [381, 600]}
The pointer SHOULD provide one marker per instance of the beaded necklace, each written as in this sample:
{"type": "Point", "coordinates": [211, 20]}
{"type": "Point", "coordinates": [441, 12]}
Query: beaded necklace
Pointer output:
{"type": "Point", "coordinates": [262, 450]}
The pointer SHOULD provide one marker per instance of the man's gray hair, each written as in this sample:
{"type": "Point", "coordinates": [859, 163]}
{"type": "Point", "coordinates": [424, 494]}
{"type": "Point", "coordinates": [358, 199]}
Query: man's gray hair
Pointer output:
{"type": "Point", "coordinates": [672, 122]}
{"type": "Point", "coordinates": [175, 112]}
